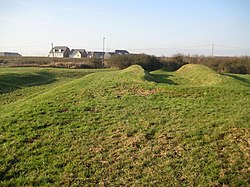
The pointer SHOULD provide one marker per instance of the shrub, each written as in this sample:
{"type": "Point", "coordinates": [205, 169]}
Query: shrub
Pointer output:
{"type": "Point", "coordinates": [148, 62]}
{"type": "Point", "coordinates": [120, 62]}
{"type": "Point", "coordinates": [95, 62]}
{"type": "Point", "coordinates": [240, 65]}
{"type": "Point", "coordinates": [174, 63]}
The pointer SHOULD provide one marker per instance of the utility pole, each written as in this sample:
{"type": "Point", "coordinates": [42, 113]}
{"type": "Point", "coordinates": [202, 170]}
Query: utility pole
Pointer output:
{"type": "Point", "coordinates": [103, 49]}
{"type": "Point", "coordinates": [212, 49]}
{"type": "Point", "coordinates": [52, 47]}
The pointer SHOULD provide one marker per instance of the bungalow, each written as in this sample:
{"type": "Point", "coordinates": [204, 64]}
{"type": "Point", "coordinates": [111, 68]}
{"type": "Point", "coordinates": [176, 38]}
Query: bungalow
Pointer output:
{"type": "Point", "coordinates": [96, 54]}
{"type": "Point", "coordinates": [121, 52]}
{"type": "Point", "coordinates": [109, 55]}
{"type": "Point", "coordinates": [9, 54]}
{"type": "Point", "coordinates": [77, 53]}
{"type": "Point", "coordinates": [59, 52]}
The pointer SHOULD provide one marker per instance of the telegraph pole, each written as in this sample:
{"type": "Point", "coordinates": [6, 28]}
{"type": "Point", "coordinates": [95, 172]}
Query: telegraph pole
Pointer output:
{"type": "Point", "coordinates": [103, 49]}
{"type": "Point", "coordinates": [52, 47]}
{"type": "Point", "coordinates": [212, 49]}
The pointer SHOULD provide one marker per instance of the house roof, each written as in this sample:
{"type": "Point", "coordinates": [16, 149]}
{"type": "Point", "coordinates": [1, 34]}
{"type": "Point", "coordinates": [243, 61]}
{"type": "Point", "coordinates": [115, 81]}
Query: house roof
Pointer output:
{"type": "Point", "coordinates": [121, 51]}
{"type": "Point", "coordinates": [81, 50]}
{"type": "Point", "coordinates": [96, 52]}
{"type": "Point", "coordinates": [60, 47]}
{"type": "Point", "coordinates": [74, 51]}
{"type": "Point", "coordinates": [110, 53]}
{"type": "Point", "coordinates": [9, 53]}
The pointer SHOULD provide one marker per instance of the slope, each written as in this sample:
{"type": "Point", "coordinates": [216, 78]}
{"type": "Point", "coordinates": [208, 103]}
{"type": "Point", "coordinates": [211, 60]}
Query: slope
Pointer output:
{"type": "Point", "coordinates": [118, 129]}
{"type": "Point", "coordinates": [200, 75]}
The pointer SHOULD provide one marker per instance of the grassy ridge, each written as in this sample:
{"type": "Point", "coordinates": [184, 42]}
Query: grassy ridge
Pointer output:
{"type": "Point", "coordinates": [128, 128]}
{"type": "Point", "coordinates": [200, 75]}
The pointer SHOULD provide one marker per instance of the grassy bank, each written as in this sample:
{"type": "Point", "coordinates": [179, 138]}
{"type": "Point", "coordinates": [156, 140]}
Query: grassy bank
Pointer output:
{"type": "Point", "coordinates": [74, 63]}
{"type": "Point", "coordinates": [124, 128]}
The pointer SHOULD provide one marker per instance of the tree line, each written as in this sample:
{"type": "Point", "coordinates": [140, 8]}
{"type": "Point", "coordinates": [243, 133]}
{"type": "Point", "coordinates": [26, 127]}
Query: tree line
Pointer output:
{"type": "Point", "coordinates": [239, 65]}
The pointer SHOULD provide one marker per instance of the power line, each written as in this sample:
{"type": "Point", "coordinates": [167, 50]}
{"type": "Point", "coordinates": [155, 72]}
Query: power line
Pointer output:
{"type": "Point", "coordinates": [232, 47]}
{"type": "Point", "coordinates": [166, 48]}
{"type": "Point", "coordinates": [156, 48]}
{"type": "Point", "coordinates": [197, 46]}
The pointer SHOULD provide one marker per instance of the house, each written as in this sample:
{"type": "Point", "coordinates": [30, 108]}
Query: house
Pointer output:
{"type": "Point", "coordinates": [106, 55]}
{"type": "Point", "coordinates": [109, 55]}
{"type": "Point", "coordinates": [121, 52]}
{"type": "Point", "coordinates": [9, 54]}
{"type": "Point", "coordinates": [95, 54]}
{"type": "Point", "coordinates": [77, 53]}
{"type": "Point", "coordinates": [59, 52]}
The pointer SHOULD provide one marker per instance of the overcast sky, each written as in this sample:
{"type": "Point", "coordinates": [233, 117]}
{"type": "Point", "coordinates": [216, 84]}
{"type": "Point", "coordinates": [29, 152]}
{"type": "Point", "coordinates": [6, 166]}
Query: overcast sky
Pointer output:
{"type": "Point", "coordinates": [159, 27]}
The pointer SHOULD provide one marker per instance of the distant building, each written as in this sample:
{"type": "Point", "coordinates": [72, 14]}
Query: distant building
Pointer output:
{"type": "Point", "coordinates": [9, 54]}
{"type": "Point", "coordinates": [106, 55]}
{"type": "Point", "coordinates": [64, 51]}
{"type": "Point", "coordinates": [121, 52]}
{"type": "Point", "coordinates": [109, 55]}
{"type": "Point", "coordinates": [59, 52]}
{"type": "Point", "coordinates": [78, 53]}
{"type": "Point", "coordinates": [95, 54]}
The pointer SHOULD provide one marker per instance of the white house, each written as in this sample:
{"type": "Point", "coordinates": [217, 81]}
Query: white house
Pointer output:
{"type": "Point", "coordinates": [59, 52]}
{"type": "Point", "coordinates": [77, 53]}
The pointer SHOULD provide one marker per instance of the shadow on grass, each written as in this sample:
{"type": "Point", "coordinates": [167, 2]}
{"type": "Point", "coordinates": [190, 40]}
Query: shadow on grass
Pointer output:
{"type": "Point", "coordinates": [163, 78]}
{"type": "Point", "coordinates": [12, 82]}
{"type": "Point", "coordinates": [4, 172]}
{"type": "Point", "coordinates": [238, 78]}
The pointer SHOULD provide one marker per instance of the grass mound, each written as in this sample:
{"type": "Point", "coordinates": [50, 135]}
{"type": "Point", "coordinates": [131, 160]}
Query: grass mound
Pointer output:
{"type": "Point", "coordinates": [129, 80]}
{"type": "Point", "coordinates": [116, 128]}
{"type": "Point", "coordinates": [134, 73]}
{"type": "Point", "coordinates": [200, 75]}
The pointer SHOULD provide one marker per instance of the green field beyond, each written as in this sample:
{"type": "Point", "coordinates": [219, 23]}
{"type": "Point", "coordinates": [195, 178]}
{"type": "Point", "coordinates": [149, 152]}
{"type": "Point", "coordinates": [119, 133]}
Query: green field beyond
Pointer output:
{"type": "Point", "coordinates": [61, 127]}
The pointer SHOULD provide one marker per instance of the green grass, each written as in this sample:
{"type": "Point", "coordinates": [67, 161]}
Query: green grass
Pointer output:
{"type": "Point", "coordinates": [124, 128]}
{"type": "Point", "coordinates": [200, 75]}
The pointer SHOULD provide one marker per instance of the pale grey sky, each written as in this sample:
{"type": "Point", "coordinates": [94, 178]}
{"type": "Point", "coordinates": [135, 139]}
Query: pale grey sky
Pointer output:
{"type": "Point", "coordinates": [160, 27]}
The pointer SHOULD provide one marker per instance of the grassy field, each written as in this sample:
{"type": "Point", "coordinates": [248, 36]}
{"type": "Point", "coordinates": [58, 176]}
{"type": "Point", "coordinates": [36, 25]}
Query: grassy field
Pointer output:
{"type": "Point", "coordinates": [124, 128]}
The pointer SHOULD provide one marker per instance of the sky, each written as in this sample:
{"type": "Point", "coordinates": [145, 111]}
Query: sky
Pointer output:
{"type": "Point", "coordinates": [156, 27]}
